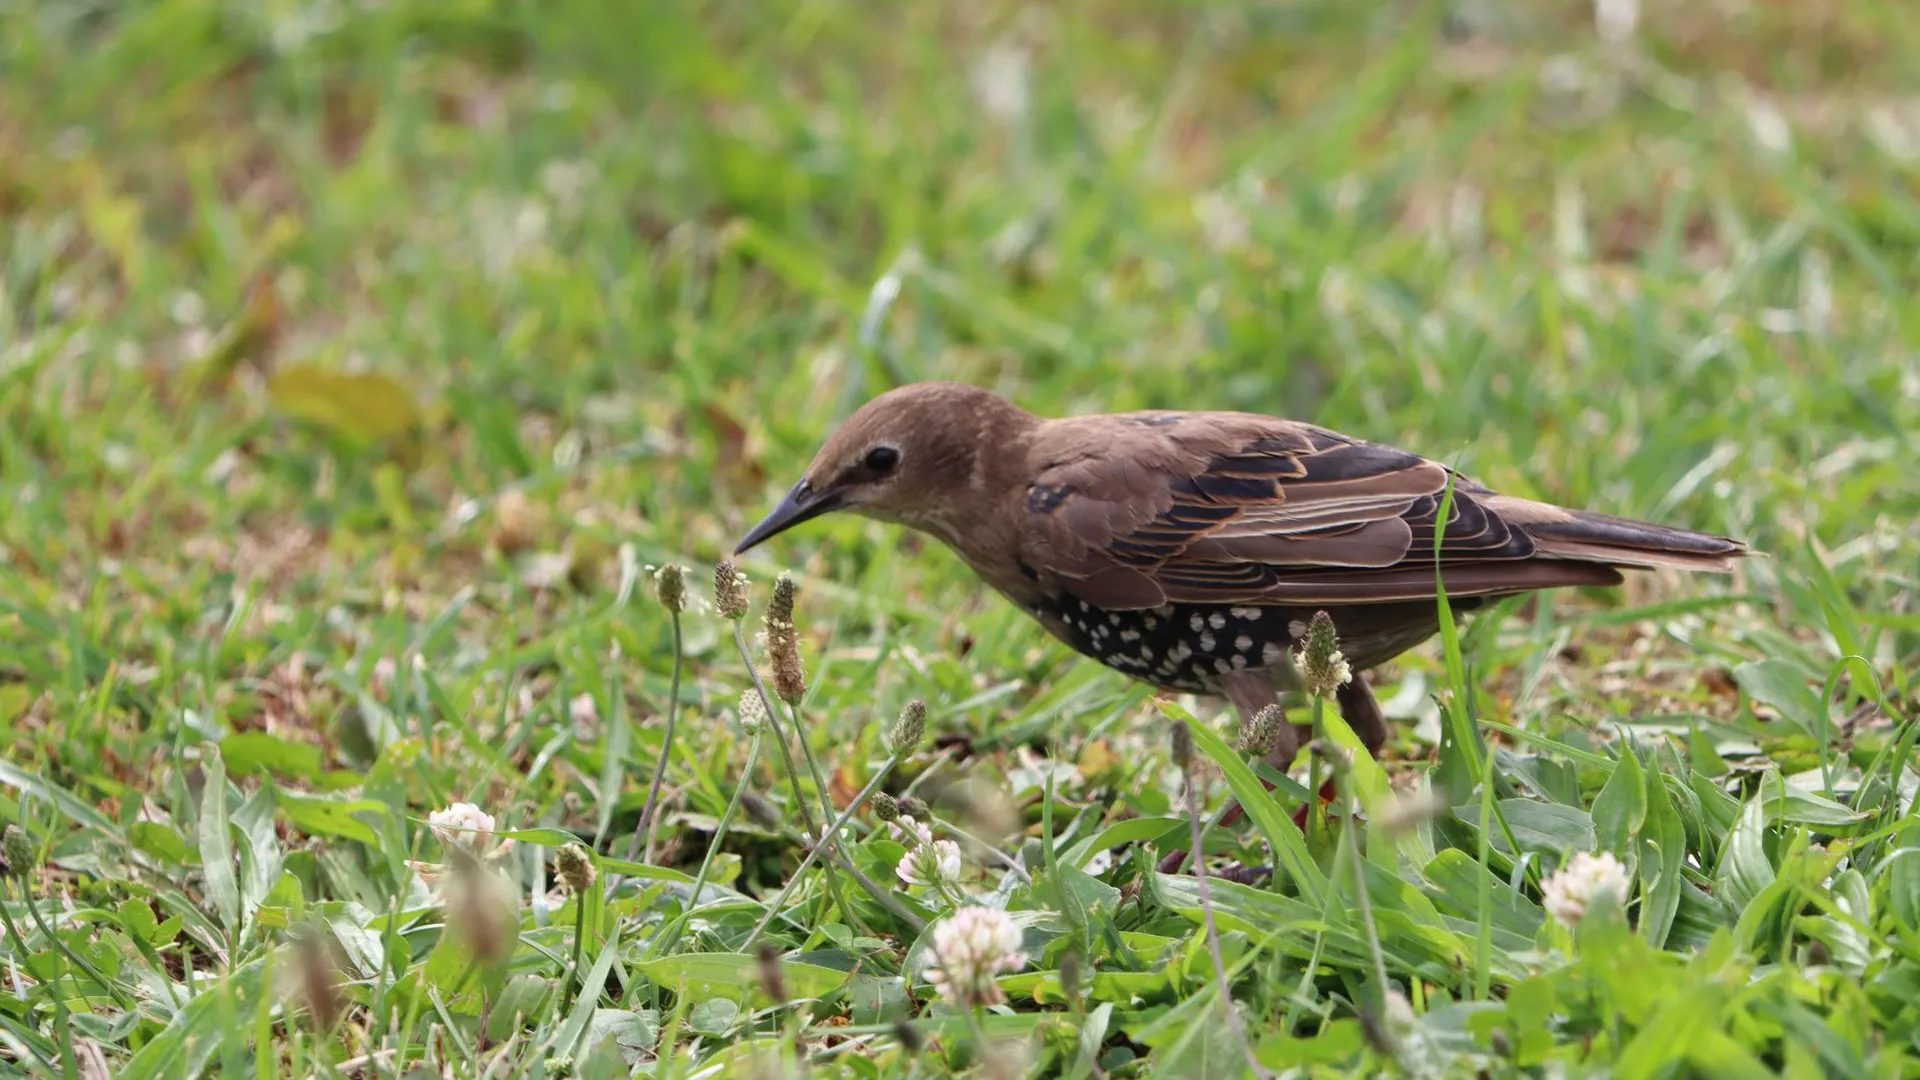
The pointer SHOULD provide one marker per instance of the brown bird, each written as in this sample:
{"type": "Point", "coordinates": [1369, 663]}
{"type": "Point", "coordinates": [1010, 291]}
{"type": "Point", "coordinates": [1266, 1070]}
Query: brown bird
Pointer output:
{"type": "Point", "coordinates": [1188, 550]}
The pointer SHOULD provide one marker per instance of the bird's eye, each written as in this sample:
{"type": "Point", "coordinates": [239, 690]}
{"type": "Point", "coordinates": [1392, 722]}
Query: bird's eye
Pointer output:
{"type": "Point", "coordinates": [881, 459]}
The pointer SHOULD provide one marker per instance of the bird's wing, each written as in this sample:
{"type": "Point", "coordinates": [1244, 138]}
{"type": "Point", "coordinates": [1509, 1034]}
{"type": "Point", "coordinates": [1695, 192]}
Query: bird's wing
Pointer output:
{"type": "Point", "coordinates": [1140, 510]}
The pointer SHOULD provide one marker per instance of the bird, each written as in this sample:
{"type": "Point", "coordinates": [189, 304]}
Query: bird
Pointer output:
{"type": "Point", "coordinates": [1189, 550]}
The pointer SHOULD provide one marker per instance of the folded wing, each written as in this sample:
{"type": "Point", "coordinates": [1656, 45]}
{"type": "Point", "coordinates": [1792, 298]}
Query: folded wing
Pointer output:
{"type": "Point", "coordinates": [1238, 509]}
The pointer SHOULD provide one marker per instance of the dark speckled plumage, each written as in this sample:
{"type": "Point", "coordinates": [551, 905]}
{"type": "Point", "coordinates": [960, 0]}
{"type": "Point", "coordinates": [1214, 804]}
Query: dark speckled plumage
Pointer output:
{"type": "Point", "coordinates": [1188, 549]}
{"type": "Point", "coordinates": [1190, 648]}
{"type": "Point", "coordinates": [1242, 652]}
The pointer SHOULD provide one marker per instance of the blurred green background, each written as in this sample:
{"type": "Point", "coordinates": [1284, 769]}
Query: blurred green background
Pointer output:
{"type": "Point", "coordinates": [341, 332]}
{"type": "Point", "coordinates": [631, 261]}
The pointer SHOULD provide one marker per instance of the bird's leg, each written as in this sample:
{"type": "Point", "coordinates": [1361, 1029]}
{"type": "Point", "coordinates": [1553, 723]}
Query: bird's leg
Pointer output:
{"type": "Point", "coordinates": [1362, 713]}
{"type": "Point", "coordinates": [1250, 695]}
{"type": "Point", "coordinates": [1249, 691]}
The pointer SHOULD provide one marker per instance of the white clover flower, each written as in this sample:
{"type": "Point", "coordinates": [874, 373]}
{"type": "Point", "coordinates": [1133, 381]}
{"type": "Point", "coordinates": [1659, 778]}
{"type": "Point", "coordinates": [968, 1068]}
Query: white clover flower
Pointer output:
{"type": "Point", "coordinates": [583, 711]}
{"type": "Point", "coordinates": [970, 948]}
{"type": "Point", "coordinates": [1002, 82]}
{"type": "Point", "coordinates": [1400, 1011]}
{"type": "Point", "coordinates": [1223, 221]}
{"type": "Point", "coordinates": [1615, 20]}
{"type": "Point", "coordinates": [1585, 879]}
{"type": "Point", "coordinates": [909, 831]}
{"type": "Point", "coordinates": [385, 671]}
{"type": "Point", "coordinates": [1768, 127]}
{"type": "Point", "coordinates": [931, 865]}
{"type": "Point", "coordinates": [466, 826]}
{"type": "Point", "coordinates": [567, 183]}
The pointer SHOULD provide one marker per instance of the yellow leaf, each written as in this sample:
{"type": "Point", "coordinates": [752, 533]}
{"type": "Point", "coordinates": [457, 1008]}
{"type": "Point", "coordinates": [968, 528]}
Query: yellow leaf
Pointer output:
{"type": "Point", "coordinates": [112, 220]}
{"type": "Point", "coordinates": [365, 410]}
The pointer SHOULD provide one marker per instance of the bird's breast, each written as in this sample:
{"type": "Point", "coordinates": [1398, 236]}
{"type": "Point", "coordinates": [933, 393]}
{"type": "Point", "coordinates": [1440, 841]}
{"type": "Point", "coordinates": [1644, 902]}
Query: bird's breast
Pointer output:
{"type": "Point", "coordinates": [1189, 647]}
{"type": "Point", "coordinates": [1183, 647]}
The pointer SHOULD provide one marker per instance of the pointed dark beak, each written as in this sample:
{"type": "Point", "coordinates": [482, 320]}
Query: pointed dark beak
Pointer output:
{"type": "Point", "coordinates": [801, 504]}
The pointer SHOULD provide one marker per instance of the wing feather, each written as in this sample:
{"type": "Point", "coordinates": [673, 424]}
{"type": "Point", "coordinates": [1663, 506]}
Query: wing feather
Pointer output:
{"type": "Point", "coordinates": [1237, 509]}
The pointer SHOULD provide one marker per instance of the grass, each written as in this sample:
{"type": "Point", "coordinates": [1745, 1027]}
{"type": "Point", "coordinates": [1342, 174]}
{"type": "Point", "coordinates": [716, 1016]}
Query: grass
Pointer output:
{"type": "Point", "coordinates": [358, 362]}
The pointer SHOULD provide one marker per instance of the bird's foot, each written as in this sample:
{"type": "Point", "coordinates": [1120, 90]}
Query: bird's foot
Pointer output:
{"type": "Point", "coordinates": [1242, 874]}
{"type": "Point", "coordinates": [1327, 795]}
{"type": "Point", "coordinates": [1173, 861]}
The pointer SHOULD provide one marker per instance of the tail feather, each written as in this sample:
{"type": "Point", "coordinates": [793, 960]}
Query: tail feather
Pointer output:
{"type": "Point", "coordinates": [1623, 542]}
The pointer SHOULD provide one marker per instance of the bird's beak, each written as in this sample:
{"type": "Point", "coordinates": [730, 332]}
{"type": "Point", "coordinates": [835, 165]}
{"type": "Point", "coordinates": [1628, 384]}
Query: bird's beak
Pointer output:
{"type": "Point", "coordinates": [801, 504]}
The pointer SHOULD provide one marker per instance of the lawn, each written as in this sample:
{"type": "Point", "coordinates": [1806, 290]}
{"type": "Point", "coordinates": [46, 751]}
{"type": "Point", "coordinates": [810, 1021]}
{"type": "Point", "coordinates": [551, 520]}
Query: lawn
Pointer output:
{"type": "Point", "coordinates": [363, 364]}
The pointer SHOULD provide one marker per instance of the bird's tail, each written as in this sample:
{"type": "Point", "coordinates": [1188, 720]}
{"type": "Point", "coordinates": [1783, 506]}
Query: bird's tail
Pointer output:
{"type": "Point", "coordinates": [1589, 537]}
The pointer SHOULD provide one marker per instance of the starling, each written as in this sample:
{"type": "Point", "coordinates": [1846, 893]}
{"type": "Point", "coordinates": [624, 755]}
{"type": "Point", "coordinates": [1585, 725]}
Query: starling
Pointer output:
{"type": "Point", "coordinates": [1189, 550]}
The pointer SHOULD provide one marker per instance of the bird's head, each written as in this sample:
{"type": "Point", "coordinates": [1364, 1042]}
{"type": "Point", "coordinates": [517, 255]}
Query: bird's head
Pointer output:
{"type": "Point", "coordinates": [910, 455]}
